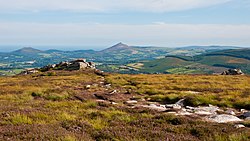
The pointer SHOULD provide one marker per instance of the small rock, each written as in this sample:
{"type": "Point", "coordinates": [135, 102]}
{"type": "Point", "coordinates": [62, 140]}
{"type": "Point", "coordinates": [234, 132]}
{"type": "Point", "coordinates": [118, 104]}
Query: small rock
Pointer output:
{"type": "Point", "coordinates": [243, 110]}
{"type": "Point", "coordinates": [246, 114]}
{"type": "Point", "coordinates": [114, 103]}
{"type": "Point", "coordinates": [100, 100]}
{"type": "Point", "coordinates": [184, 113]}
{"type": "Point", "coordinates": [131, 102]}
{"type": "Point", "coordinates": [95, 85]}
{"type": "Point", "coordinates": [163, 106]}
{"type": "Point", "coordinates": [172, 112]}
{"type": "Point", "coordinates": [113, 92]}
{"type": "Point", "coordinates": [230, 112]}
{"type": "Point", "coordinates": [237, 126]}
{"type": "Point", "coordinates": [173, 106]}
{"type": "Point", "coordinates": [192, 92]}
{"type": "Point", "coordinates": [203, 113]}
{"type": "Point", "coordinates": [180, 102]}
{"type": "Point", "coordinates": [155, 107]}
{"type": "Point", "coordinates": [190, 108]}
{"type": "Point", "coordinates": [108, 86]}
{"type": "Point", "coordinates": [223, 118]}
{"type": "Point", "coordinates": [176, 107]}
{"type": "Point", "coordinates": [248, 118]}
{"type": "Point", "coordinates": [88, 86]}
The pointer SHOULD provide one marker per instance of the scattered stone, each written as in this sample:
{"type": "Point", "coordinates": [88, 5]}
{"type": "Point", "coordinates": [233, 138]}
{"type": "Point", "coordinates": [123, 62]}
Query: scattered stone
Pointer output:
{"type": "Point", "coordinates": [223, 118]}
{"type": "Point", "coordinates": [237, 126]}
{"type": "Point", "coordinates": [108, 86]}
{"type": "Point", "coordinates": [230, 112]}
{"type": "Point", "coordinates": [246, 114]}
{"type": "Point", "coordinates": [131, 102]}
{"type": "Point", "coordinates": [184, 112]}
{"type": "Point", "coordinates": [113, 92]}
{"type": "Point", "coordinates": [95, 85]}
{"type": "Point", "coordinates": [208, 110]}
{"type": "Point", "coordinates": [190, 108]}
{"type": "Point", "coordinates": [155, 107]}
{"type": "Point", "coordinates": [243, 110]}
{"type": "Point", "coordinates": [88, 86]}
{"type": "Point", "coordinates": [203, 113]}
{"type": "Point", "coordinates": [99, 72]}
{"type": "Point", "coordinates": [100, 100]}
{"type": "Point", "coordinates": [100, 97]}
{"type": "Point", "coordinates": [233, 72]}
{"type": "Point", "coordinates": [29, 71]}
{"type": "Point", "coordinates": [180, 102]}
{"type": "Point", "coordinates": [163, 106]}
{"type": "Point", "coordinates": [114, 103]}
{"type": "Point", "coordinates": [172, 112]}
{"type": "Point", "coordinates": [173, 106]}
{"type": "Point", "coordinates": [248, 118]}
{"type": "Point", "coordinates": [192, 92]}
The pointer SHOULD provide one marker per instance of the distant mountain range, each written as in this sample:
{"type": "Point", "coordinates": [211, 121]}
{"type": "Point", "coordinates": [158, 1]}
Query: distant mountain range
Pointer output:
{"type": "Point", "coordinates": [27, 51]}
{"type": "Point", "coordinates": [121, 47]}
{"type": "Point", "coordinates": [137, 59]}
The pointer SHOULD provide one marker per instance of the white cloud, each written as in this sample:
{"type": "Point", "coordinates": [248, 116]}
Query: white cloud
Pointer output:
{"type": "Point", "coordinates": [106, 34]}
{"type": "Point", "coordinates": [106, 5]}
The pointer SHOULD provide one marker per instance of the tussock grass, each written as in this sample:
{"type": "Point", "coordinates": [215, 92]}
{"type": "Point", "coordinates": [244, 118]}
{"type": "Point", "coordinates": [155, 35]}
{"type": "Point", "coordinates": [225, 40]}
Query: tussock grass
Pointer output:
{"type": "Point", "coordinates": [44, 107]}
{"type": "Point", "coordinates": [225, 91]}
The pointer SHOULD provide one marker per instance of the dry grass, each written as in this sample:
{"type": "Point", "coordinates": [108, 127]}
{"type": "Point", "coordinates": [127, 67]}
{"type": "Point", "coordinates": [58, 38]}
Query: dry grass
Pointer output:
{"type": "Point", "coordinates": [230, 91]}
{"type": "Point", "coordinates": [45, 107]}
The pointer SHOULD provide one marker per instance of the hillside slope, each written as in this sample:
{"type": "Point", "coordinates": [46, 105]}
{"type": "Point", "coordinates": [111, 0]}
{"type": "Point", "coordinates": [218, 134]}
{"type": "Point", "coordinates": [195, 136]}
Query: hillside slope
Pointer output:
{"type": "Point", "coordinates": [208, 63]}
{"type": "Point", "coordinates": [82, 105]}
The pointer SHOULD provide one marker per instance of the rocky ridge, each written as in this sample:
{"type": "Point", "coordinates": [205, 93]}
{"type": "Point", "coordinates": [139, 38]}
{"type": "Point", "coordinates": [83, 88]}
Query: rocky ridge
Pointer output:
{"type": "Point", "coordinates": [78, 64]}
{"type": "Point", "coordinates": [233, 72]}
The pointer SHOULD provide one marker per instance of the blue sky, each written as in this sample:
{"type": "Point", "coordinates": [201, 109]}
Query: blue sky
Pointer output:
{"type": "Point", "coordinates": [82, 24]}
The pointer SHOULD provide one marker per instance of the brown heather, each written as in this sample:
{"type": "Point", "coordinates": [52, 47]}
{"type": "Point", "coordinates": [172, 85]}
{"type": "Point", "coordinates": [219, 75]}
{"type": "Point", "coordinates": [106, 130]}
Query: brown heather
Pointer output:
{"type": "Point", "coordinates": [59, 107]}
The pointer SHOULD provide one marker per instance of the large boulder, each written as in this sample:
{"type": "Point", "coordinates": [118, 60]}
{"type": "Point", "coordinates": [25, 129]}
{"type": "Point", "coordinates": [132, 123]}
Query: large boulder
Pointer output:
{"type": "Point", "coordinates": [29, 71]}
{"type": "Point", "coordinates": [205, 110]}
{"type": "Point", "coordinates": [78, 64]}
{"type": "Point", "coordinates": [233, 72]}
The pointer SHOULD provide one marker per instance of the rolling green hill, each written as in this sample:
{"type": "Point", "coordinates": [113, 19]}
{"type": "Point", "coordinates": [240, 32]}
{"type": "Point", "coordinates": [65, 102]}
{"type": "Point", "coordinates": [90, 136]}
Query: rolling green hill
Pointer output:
{"type": "Point", "coordinates": [123, 58]}
{"type": "Point", "coordinates": [214, 62]}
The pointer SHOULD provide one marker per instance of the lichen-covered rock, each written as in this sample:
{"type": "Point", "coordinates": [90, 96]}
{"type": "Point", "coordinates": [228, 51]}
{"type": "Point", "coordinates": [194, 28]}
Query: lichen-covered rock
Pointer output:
{"type": "Point", "coordinates": [223, 118]}
{"type": "Point", "coordinates": [233, 72]}
{"type": "Point", "coordinates": [29, 71]}
{"type": "Point", "coordinates": [78, 64]}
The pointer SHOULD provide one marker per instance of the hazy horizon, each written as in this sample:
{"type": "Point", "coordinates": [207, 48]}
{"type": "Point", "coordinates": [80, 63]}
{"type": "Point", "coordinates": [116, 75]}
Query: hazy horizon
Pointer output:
{"type": "Point", "coordinates": [101, 23]}
{"type": "Point", "coordinates": [9, 48]}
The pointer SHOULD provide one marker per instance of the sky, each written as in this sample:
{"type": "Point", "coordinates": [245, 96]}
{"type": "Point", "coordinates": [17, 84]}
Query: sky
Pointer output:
{"type": "Point", "coordinates": [93, 24]}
